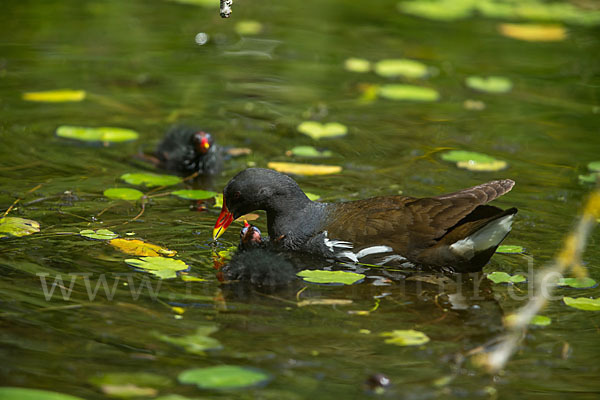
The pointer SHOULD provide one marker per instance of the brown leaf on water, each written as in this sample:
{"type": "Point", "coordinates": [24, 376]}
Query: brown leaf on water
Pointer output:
{"type": "Point", "coordinates": [248, 217]}
{"type": "Point", "coordinates": [534, 32]}
{"type": "Point", "coordinates": [238, 151]}
{"type": "Point", "coordinates": [140, 248]}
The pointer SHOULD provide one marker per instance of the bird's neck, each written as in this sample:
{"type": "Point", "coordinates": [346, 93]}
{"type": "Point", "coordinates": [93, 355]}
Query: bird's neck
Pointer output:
{"type": "Point", "coordinates": [294, 220]}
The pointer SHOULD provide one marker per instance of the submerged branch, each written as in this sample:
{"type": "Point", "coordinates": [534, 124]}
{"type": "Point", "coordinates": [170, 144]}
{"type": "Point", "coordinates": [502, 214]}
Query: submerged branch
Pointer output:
{"type": "Point", "coordinates": [568, 259]}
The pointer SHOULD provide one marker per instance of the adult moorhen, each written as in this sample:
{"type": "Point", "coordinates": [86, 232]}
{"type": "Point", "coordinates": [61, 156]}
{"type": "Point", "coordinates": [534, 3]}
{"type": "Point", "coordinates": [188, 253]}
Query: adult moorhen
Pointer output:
{"type": "Point", "coordinates": [456, 232]}
{"type": "Point", "coordinates": [186, 150]}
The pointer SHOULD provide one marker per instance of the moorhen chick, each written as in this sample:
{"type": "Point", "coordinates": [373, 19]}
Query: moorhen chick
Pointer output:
{"type": "Point", "coordinates": [259, 263]}
{"type": "Point", "coordinates": [457, 232]}
{"type": "Point", "coordinates": [186, 150]}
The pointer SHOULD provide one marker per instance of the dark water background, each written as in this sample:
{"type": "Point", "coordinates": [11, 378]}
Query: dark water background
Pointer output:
{"type": "Point", "coordinates": [142, 70]}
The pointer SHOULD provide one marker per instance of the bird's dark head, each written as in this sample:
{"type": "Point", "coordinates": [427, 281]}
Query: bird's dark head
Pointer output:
{"type": "Point", "coordinates": [257, 189]}
{"type": "Point", "coordinates": [202, 142]}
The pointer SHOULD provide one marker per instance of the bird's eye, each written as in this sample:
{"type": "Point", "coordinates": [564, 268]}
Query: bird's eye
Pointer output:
{"type": "Point", "coordinates": [237, 195]}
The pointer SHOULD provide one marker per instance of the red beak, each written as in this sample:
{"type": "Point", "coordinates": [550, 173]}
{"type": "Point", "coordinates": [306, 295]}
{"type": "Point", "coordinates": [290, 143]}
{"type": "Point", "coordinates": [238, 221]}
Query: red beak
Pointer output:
{"type": "Point", "coordinates": [225, 219]}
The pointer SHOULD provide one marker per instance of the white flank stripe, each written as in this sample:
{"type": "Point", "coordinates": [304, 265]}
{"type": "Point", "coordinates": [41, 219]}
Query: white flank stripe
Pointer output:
{"type": "Point", "coordinates": [483, 239]}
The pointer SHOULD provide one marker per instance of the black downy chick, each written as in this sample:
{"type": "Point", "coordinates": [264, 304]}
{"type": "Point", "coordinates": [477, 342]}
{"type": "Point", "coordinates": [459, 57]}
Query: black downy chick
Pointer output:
{"type": "Point", "coordinates": [257, 261]}
{"type": "Point", "coordinates": [186, 151]}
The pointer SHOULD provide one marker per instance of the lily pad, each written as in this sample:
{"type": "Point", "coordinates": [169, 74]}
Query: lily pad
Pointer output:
{"type": "Point", "coordinates": [407, 92]}
{"type": "Point", "coordinates": [592, 177]}
{"type": "Point", "coordinates": [444, 10]}
{"type": "Point", "coordinates": [510, 249]}
{"type": "Point", "coordinates": [503, 277]}
{"type": "Point", "coordinates": [248, 28]}
{"type": "Point", "coordinates": [224, 377]}
{"type": "Point", "coordinates": [138, 247]}
{"type": "Point", "coordinates": [55, 96]}
{"type": "Point", "coordinates": [534, 32]}
{"type": "Point", "coordinates": [310, 151]}
{"type": "Point", "coordinates": [164, 268]}
{"type": "Point", "coordinates": [103, 134]}
{"type": "Point", "coordinates": [594, 166]}
{"type": "Point", "coordinates": [583, 303]}
{"type": "Point", "coordinates": [538, 320]}
{"type": "Point", "coordinates": [577, 283]}
{"type": "Point", "coordinates": [317, 130]}
{"type": "Point", "coordinates": [304, 169]}
{"type": "Point", "coordinates": [189, 194]}
{"type": "Point", "coordinates": [490, 84]}
{"type": "Point", "coordinates": [133, 378]}
{"type": "Point", "coordinates": [357, 65]}
{"type": "Point", "coordinates": [474, 161]}
{"type": "Point", "coordinates": [401, 67]}
{"type": "Point", "coordinates": [312, 196]}
{"type": "Point", "coordinates": [17, 227]}
{"type": "Point", "coordinates": [408, 337]}
{"type": "Point", "coordinates": [335, 277]}
{"type": "Point", "coordinates": [19, 393]}
{"type": "Point", "coordinates": [151, 180]}
{"type": "Point", "coordinates": [197, 343]}
{"type": "Point", "coordinates": [123, 194]}
{"type": "Point", "coordinates": [100, 234]}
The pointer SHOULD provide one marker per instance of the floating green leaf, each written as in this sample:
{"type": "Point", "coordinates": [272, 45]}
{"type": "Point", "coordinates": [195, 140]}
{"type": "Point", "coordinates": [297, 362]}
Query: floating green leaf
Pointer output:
{"type": "Point", "coordinates": [577, 283]}
{"type": "Point", "coordinates": [55, 96]}
{"type": "Point", "coordinates": [103, 134]}
{"type": "Point", "coordinates": [17, 227]}
{"type": "Point", "coordinates": [491, 84]}
{"type": "Point", "coordinates": [510, 249]}
{"type": "Point", "coordinates": [408, 337]}
{"type": "Point", "coordinates": [151, 180]}
{"type": "Point", "coordinates": [310, 151]}
{"type": "Point", "coordinates": [304, 169]}
{"type": "Point", "coordinates": [441, 10]}
{"type": "Point", "coordinates": [248, 27]}
{"type": "Point", "coordinates": [336, 277]}
{"type": "Point", "coordinates": [164, 268]}
{"type": "Point", "coordinates": [189, 194]}
{"type": "Point", "coordinates": [594, 166]}
{"type": "Point", "coordinates": [592, 177]}
{"type": "Point", "coordinates": [19, 393]}
{"type": "Point", "coordinates": [224, 377]}
{"type": "Point", "coordinates": [100, 234]}
{"type": "Point", "coordinates": [583, 303]}
{"type": "Point", "coordinates": [123, 194]}
{"type": "Point", "coordinates": [312, 196]}
{"type": "Point", "coordinates": [540, 320]}
{"type": "Point", "coordinates": [401, 67]}
{"type": "Point", "coordinates": [132, 378]}
{"type": "Point", "coordinates": [357, 65]}
{"type": "Point", "coordinates": [197, 343]}
{"type": "Point", "coordinates": [473, 161]}
{"type": "Point", "coordinates": [503, 277]}
{"type": "Point", "coordinates": [407, 92]}
{"type": "Point", "coordinates": [317, 130]}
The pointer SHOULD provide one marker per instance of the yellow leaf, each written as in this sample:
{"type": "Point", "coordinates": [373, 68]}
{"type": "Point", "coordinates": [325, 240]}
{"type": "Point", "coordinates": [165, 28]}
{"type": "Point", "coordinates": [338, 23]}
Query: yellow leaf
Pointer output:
{"type": "Point", "coordinates": [533, 32]}
{"type": "Point", "coordinates": [248, 217]}
{"type": "Point", "coordinates": [55, 96]}
{"type": "Point", "coordinates": [304, 169]}
{"type": "Point", "coordinates": [139, 248]}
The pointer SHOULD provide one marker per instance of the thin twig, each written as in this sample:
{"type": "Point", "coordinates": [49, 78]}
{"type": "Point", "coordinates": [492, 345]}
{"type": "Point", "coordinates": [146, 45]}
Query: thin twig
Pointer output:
{"type": "Point", "coordinates": [569, 258]}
